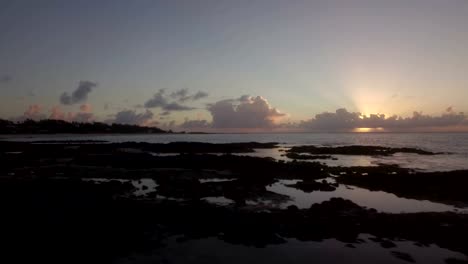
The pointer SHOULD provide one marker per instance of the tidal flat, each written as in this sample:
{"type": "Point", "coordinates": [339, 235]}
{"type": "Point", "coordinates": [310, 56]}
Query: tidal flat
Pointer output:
{"type": "Point", "coordinates": [72, 201]}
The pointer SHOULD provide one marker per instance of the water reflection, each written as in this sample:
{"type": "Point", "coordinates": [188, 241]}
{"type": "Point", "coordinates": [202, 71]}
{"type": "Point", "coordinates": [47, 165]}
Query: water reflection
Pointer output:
{"type": "Point", "coordinates": [219, 200]}
{"type": "Point", "coordinates": [379, 200]}
{"type": "Point", "coordinates": [144, 186]}
{"type": "Point", "coordinates": [441, 162]}
{"type": "Point", "coordinates": [213, 250]}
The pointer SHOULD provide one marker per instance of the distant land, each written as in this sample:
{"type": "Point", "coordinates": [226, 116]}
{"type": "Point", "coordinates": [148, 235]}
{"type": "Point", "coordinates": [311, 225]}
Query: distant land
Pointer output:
{"type": "Point", "coordinates": [50, 126]}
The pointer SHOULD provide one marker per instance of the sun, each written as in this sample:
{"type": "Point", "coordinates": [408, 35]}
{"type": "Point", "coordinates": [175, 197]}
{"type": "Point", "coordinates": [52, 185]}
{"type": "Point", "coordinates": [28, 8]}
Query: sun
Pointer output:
{"type": "Point", "coordinates": [368, 129]}
{"type": "Point", "coordinates": [362, 129]}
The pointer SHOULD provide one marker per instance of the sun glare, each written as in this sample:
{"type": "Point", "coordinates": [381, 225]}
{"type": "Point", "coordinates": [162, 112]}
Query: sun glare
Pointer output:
{"type": "Point", "coordinates": [368, 129]}
{"type": "Point", "coordinates": [363, 129]}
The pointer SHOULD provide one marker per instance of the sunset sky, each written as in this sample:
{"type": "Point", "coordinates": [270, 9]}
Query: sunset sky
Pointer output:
{"type": "Point", "coordinates": [238, 65]}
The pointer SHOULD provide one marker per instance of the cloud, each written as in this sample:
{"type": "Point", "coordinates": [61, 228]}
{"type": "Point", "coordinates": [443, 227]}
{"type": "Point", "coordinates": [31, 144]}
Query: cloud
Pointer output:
{"type": "Point", "coordinates": [183, 95]}
{"type": "Point", "coordinates": [57, 114]}
{"type": "Point", "coordinates": [79, 95]}
{"type": "Point", "coordinates": [131, 117]}
{"type": "Point", "coordinates": [33, 112]}
{"type": "Point", "coordinates": [341, 119]}
{"type": "Point", "coordinates": [6, 78]}
{"type": "Point", "coordinates": [199, 95]}
{"type": "Point", "coordinates": [195, 124]}
{"type": "Point", "coordinates": [86, 108]}
{"type": "Point", "coordinates": [160, 100]}
{"type": "Point", "coordinates": [82, 117]}
{"type": "Point", "coordinates": [244, 112]}
{"type": "Point", "coordinates": [177, 107]}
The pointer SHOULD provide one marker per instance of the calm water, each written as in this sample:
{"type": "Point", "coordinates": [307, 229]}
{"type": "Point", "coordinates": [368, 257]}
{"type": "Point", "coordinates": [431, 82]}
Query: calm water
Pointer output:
{"type": "Point", "coordinates": [456, 144]}
{"type": "Point", "coordinates": [212, 250]}
{"type": "Point", "coordinates": [442, 142]}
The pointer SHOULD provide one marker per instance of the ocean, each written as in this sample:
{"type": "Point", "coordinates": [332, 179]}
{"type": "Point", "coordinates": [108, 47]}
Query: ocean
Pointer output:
{"type": "Point", "coordinates": [453, 155]}
{"type": "Point", "coordinates": [452, 146]}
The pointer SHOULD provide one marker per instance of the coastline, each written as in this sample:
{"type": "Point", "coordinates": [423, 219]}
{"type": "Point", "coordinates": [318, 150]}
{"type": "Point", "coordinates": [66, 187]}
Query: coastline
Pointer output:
{"type": "Point", "coordinates": [87, 184]}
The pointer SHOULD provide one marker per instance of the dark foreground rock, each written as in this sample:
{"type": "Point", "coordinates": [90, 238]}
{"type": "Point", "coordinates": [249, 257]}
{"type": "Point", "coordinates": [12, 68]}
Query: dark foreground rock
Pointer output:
{"type": "Point", "coordinates": [445, 187]}
{"type": "Point", "coordinates": [75, 203]}
{"type": "Point", "coordinates": [53, 219]}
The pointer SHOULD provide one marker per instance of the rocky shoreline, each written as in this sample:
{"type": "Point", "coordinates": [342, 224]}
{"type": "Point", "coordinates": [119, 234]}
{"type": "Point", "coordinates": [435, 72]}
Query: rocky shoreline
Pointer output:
{"type": "Point", "coordinates": [54, 205]}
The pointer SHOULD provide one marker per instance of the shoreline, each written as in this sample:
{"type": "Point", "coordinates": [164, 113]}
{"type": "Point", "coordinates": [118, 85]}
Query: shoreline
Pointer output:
{"type": "Point", "coordinates": [62, 181]}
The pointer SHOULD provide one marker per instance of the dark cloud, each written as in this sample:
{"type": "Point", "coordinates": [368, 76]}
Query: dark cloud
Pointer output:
{"type": "Point", "coordinates": [79, 95]}
{"type": "Point", "coordinates": [6, 78]}
{"type": "Point", "coordinates": [130, 117]}
{"type": "Point", "coordinates": [245, 112]}
{"type": "Point", "coordinates": [177, 107]}
{"type": "Point", "coordinates": [199, 95]}
{"type": "Point", "coordinates": [341, 119]}
{"type": "Point", "coordinates": [160, 100]}
{"type": "Point", "coordinates": [183, 95]}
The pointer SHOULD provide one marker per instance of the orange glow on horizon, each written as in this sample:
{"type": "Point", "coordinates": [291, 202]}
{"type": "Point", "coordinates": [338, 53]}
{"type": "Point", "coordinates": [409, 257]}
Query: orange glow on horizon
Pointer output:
{"type": "Point", "coordinates": [368, 129]}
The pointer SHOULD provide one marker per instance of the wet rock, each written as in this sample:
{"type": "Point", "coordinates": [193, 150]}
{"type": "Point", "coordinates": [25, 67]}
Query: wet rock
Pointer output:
{"type": "Point", "coordinates": [403, 256]}
{"type": "Point", "coordinates": [310, 186]}
{"type": "Point", "coordinates": [456, 261]}
{"type": "Point", "coordinates": [294, 155]}
{"type": "Point", "coordinates": [387, 244]}
{"type": "Point", "coordinates": [293, 208]}
{"type": "Point", "coordinates": [445, 187]}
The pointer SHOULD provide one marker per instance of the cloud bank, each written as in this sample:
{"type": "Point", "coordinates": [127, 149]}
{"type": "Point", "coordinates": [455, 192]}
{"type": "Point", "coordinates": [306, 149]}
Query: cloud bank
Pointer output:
{"type": "Point", "coordinates": [341, 119]}
{"type": "Point", "coordinates": [79, 95]}
{"type": "Point", "coordinates": [131, 117]}
{"type": "Point", "coordinates": [195, 124]}
{"type": "Point", "coordinates": [33, 112]}
{"type": "Point", "coordinates": [247, 114]}
{"type": "Point", "coordinates": [84, 116]}
{"type": "Point", "coordinates": [37, 112]}
{"type": "Point", "coordinates": [244, 112]}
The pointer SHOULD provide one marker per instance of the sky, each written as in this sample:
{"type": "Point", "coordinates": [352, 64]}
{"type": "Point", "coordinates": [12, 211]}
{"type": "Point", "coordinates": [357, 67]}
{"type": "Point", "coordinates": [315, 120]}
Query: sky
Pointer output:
{"type": "Point", "coordinates": [246, 65]}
